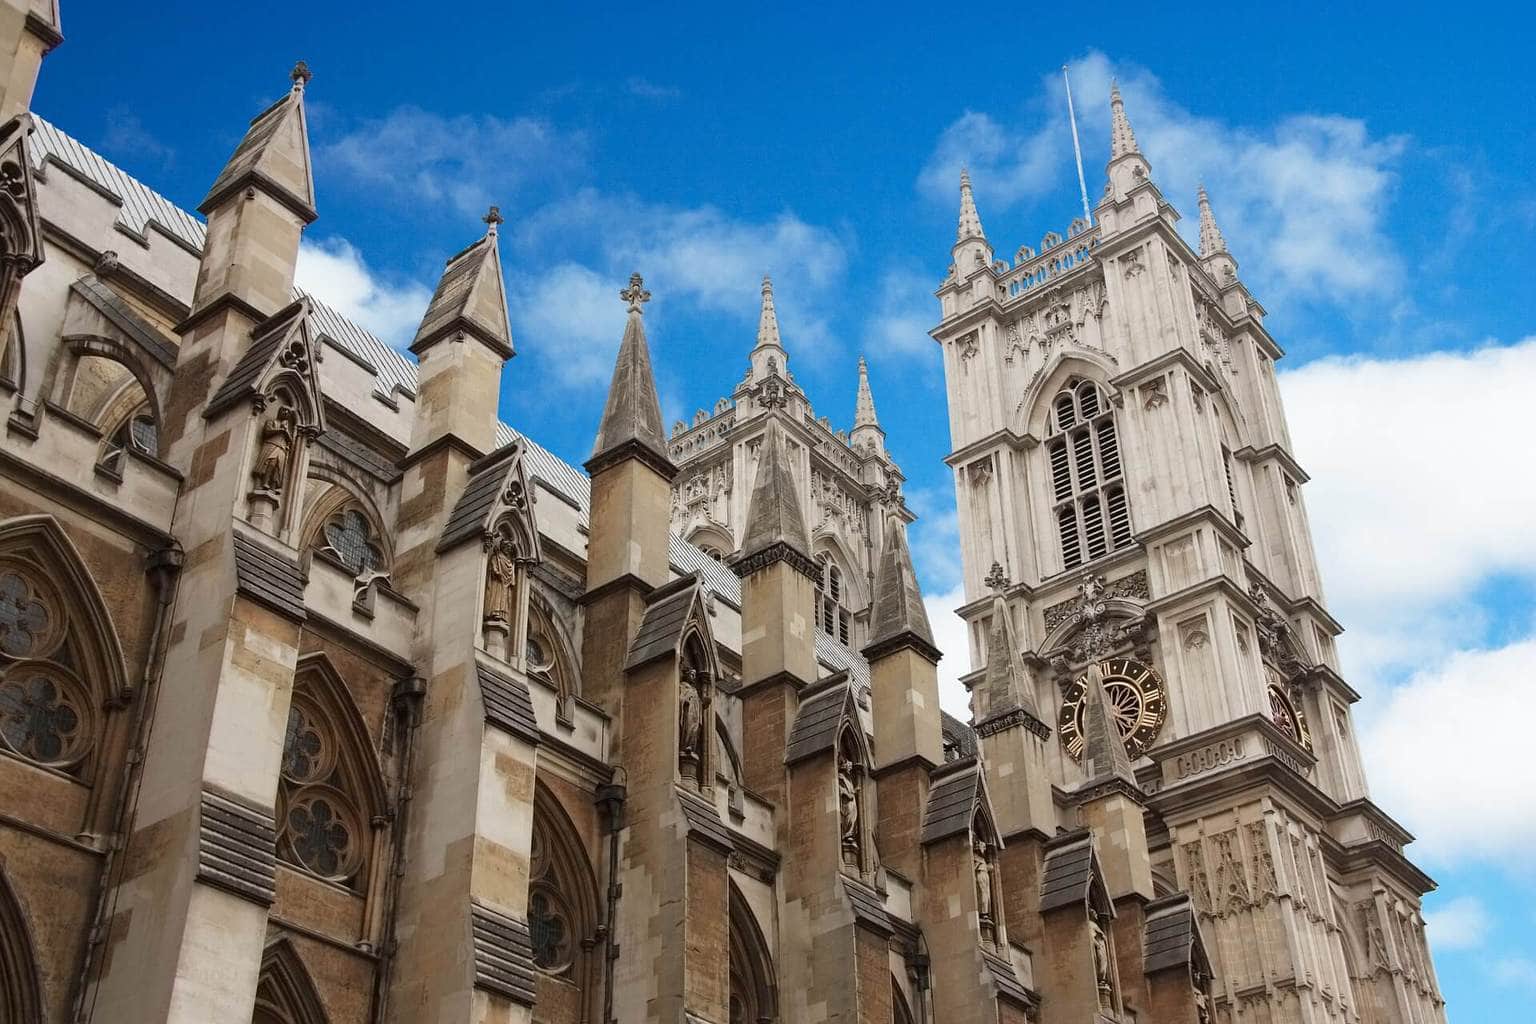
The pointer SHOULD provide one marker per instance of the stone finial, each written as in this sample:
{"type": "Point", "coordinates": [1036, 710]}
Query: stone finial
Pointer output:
{"type": "Point", "coordinates": [300, 76]}
{"type": "Point", "coordinates": [1211, 241]}
{"type": "Point", "coordinates": [996, 580]}
{"type": "Point", "coordinates": [899, 617]}
{"type": "Point", "coordinates": [492, 219]}
{"type": "Point", "coordinates": [635, 295]}
{"type": "Point", "coordinates": [768, 319]}
{"type": "Point", "coordinates": [1122, 140]}
{"type": "Point", "coordinates": [631, 423]}
{"type": "Point", "coordinates": [1104, 755]}
{"type": "Point", "coordinates": [864, 408]}
{"type": "Point", "coordinates": [970, 220]}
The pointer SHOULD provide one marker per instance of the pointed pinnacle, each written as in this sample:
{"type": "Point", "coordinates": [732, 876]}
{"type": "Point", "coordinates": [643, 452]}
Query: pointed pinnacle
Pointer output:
{"type": "Point", "coordinates": [768, 319]}
{"type": "Point", "coordinates": [864, 409]}
{"type": "Point", "coordinates": [1211, 241]}
{"type": "Point", "coordinates": [1122, 141]}
{"type": "Point", "coordinates": [632, 414]}
{"type": "Point", "coordinates": [773, 512]}
{"type": "Point", "coordinates": [1104, 753]}
{"type": "Point", "coordinates": [970, 220]}
{"type": "Point", "coordinates": [1007, 687]}
{"type": "Point", "coordinates": [899, 616]}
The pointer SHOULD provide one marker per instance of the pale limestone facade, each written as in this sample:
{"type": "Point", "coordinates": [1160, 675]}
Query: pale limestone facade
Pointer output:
{"type": "Point", "coordinates": [327, 697]}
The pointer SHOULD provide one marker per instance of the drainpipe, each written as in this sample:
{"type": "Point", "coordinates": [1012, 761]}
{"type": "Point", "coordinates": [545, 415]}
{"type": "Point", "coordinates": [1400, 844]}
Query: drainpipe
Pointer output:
{"type": "Point", "coordinates": [405, 702]}
{"type": "Point", "coordinates": [610, 797]}
{"type": "Point", "coordinates": [164, 570]}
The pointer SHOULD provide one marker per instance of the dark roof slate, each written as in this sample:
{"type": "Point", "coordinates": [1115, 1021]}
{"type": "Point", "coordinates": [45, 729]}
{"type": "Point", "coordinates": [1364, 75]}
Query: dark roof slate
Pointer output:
{"type": "Point", "coordinates": [237, 848]}
{"type": "Point", "coordinates": [359, 455]}
{"type": "Point", "coordinates": [507, 702]}
{"type": "Point", "coordinates": [467, 519]}
{"type": "Point", "coordinates": [266, 339]}
{"type": "Point", "coordinates": [952, 801]}
{"type": "Point", "coordinates": [123, 316]}
{"type": "Point", "coordinates": [1069, 872]}
{"type": "Point", "coordinates": [821, 715]}
{"type": "Point", "coordinates": [503, 954]}
{"type": "Point", "coordinates": [868, 906]}
{"type": "Point", "coordinates": [1170, 934]}
{"type": "Point", "coordinates": [960, 735]}
{"type": "Point", "coordinates": [704, 820]}
{"type": "Point", "coordinates": [662, 628]}
{"type": "Point", "coordinates": [265, 575]}
{"type": "Point", "coordinates": [1007, 980]}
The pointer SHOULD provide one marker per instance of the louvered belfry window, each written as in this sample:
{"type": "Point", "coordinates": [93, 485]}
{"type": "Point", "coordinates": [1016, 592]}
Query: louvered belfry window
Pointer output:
{"type": "Point", "coordinates": [1093, 514]}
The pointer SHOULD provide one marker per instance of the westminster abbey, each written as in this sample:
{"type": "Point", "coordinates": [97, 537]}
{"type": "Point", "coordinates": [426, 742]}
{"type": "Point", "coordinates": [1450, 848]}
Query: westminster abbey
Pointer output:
{"type": "Point", "coordinates": [328, 698]}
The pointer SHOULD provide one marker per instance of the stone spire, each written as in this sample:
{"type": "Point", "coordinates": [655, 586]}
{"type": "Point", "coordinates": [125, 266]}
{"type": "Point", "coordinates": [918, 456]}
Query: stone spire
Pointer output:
{"type": "Point", "coordinates": [1006, 684]}
{"type": "Point", "coordinates": [471, 297]}
{"type": "Point", "coordinates": [773, 514]}
{"type": "Point", "coordinates": [768, 319]}
{"type": "Point", "coordinates": [273, 156]}
{"type": "Point", "coordinates": [632, 415]}
{"type": "Point", "coordinates": [1211, 241]}
{"type": "Point", "coordinates": [970, 220]}
{"type": "Point", "coordinates": [1104, 755]}
{"type": "Point", "coordinates": [899, 616]}
{"type": "Point", "coordinates": [864, 410]}
{"type": "Point", "coordinates": [1122, 140]}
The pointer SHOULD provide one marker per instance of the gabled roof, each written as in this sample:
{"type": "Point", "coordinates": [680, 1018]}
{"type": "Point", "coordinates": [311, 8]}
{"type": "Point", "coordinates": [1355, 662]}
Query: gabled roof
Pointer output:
{"type": "Point", "coordinates": [958, 791]}
{"type": "Point", "coordinates": [1171, 936]}
{"type": "Point", "coordinates": [490, 480]}
{"type": "Point", "coordinates": [819, 720]}
{"type": "Point", "coordinates": [1071, 874]}
{"type": "Point", "coordinates": [671, 608]}
{"type": "Point", "coordinates": [274, 156]}
{"type": "Point", "coordinates": [470, 297]}
{"type": "Point", "coordinates": [282, 336]}
{"type": "Point", "coordinates": [507, 702]}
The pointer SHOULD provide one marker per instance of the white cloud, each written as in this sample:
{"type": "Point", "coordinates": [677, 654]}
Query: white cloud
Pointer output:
{"type": "Point", "coordinates": [1301, 202]}
{"type": "Point", "coordinates": [903, 314]}
{"type": "Point", "coordinates": [696, 259]}
{"type": "Point", "coordinates": [572, 317]}
{"type": "Point", "coordinates": [1418, 492]}
{"type": "Point", "coordinates": [335, 273]}
{"type": "Point", "coordinates": [1514, 971]}
{"type": "Point", "coordinates": [463, 161]}
{"type": "Point", "coordinates": [1461, 923]}
{"type": "Point", "coordinates": [949, 636]}
{"type": "Point", "coordinates": [1449, 753]}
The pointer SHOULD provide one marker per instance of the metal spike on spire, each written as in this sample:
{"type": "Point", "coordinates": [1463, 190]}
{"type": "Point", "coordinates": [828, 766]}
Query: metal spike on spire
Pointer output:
{"type": "Point", "coordinates": [864, 410]}
{"type": "Point", "coordinates": [970, 220]}
{"type": "Point", "coordinates": [768, 319]}
{"type": "Point", "coordinates": [1211, 241]}
{"type": "Point", "coordinates": [1122, 141]}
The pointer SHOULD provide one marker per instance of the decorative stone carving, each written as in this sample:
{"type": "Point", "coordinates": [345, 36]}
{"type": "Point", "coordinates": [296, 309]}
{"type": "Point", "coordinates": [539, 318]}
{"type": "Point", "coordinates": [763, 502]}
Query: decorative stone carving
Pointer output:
{"type": "Point", "coordinates": [1132, 587]}
{"type": "Point", "coordinates": [690, 721]}
{"type": "Point", "coordinates": [1154, 393]}
{"type": "Point", "coordinates": [848, 809]}
{"type": "Point", "coordinates": [500, 580]}
{"type": "Point", "coordinates": [1103, 977]}
{"type": "Point", "coordinates": [1262, 861]}
{"type": "Point", "coordinates": [1199, 881]}
{"type": "Point", "coordinates": [278, 431]}
{"type": "Point", "coordinates": [967, 345]}
{"type": "Point", "coordinates": [1230, 881]}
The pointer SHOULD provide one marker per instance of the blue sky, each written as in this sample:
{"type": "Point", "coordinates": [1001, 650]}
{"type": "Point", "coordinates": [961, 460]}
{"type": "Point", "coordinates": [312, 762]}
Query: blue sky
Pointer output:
{"type": "Point", "coordinates": [1372, 175]}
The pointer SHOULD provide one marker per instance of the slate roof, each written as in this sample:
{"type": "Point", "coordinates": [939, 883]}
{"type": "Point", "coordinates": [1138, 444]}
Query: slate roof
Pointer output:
{"type": "Point", "coordinates": [952, 801]}
{"type": "Point", "coordinates": [268, 337]}
{"type": "Point", "coordinates": [1070, 869]}
{"type": "Point", "coordinates": [111, 305]}
{"type": "Point", "coordinates": [704, 821]}
{"type": "Point", "coordinates": [868, 906]}
{"type": "Point", "coordinates": [480, 491]}
{"type": "Point", "coordinates": [237, 848]}
{"type": "Point", "coordinates": [665, 618]}
{"type": "Point", "coordinates": [1006, 980]}
{"type": "Point", "coordinates": [507, 702]}
{"type": "Point", "coordinates": [821, 714]}
{"type": "Point", "coordinates": [269, 577]}
{"type": "Point", "coordinates": [1171, 935]}
{"type": "Point", "coordinates": [359, 455]}
{"type": "Point", "coordinates": [956, 732]}
{"type": "Point", "coordinates": [503, 954]}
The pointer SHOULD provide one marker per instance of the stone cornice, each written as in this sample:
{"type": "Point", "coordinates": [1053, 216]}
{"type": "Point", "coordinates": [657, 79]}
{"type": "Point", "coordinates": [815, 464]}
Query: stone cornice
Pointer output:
{"type": "Point", "coordinates": [1180, 357]}
{"type": "Point", "coordinates": [1275, 452]}
{"type": "Point", "coordinates": [906, 639]}
{"type": "Point", "coordinates": [778, 551]}
{"type": "Point", "coordinates": [991, 442]}
{"type": "Point", "coordinates": [1205, 513]}
{"type": "Point", "coordinates": [445, 442]}
{"type": "Point", "coordinates": [632, 449]}
{"type": "Point", "coordinates": [1007, 718]}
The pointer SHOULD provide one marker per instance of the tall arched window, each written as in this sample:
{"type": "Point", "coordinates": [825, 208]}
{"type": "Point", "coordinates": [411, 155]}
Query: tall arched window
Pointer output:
{"type": "Point", "coordinates": [562, 912]}
{"type": "Point", "coordinates": [1093, 514]}
{"type": "Point", "coordinates": [832, 616]}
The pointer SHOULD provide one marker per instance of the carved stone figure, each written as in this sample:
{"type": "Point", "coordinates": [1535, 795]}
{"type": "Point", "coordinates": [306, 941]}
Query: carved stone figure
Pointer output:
{"type": "Point", "coordinates": [277, 434]}
{"type": "Point", "coordinates": [983, 881]}
{"type": "Point", "coordinates": [500, 579]}
{"type": "Point", "coordinates": [848, 803]}
{"type": "Point", "coordinates": [690, 716]}
{"type": "Point", "coordinates": [1101, 962]}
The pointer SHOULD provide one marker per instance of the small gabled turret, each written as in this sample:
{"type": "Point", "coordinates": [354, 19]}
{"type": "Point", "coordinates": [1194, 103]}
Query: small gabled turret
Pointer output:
{"type": "Point", "coordinates": [1104, 756]}
{"type": "Point", "coordinates": [774, 520]}
{"type": "Point", "coordinates": [899, 618]}
{"type": "Point", "coordinates": [470, 298]}
{"type": "Point", "coordinates": [631, 423]}
{"type": "Point", "coordinates": [273, 156]}
{"type": "Point", "coordinates": [1214, 254]}
{"type": "Point", "coordinates": [971, 247]}
{"type": "Point", "coordinates": [867, 434]}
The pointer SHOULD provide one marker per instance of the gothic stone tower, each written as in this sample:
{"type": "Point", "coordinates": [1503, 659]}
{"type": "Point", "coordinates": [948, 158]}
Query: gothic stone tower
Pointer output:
{"type": "Point", "coordinates": [1121, 455]}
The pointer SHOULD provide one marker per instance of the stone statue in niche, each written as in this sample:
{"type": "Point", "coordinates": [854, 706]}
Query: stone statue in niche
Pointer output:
{"type": "Point", "coordinates": [690, 720]}
{"type": "Point", "coordinates": [276, 452]}
{"type": "Point", "coordinates": [983, 881]}
{"type": "Point", "coordinates": [500, 579]}
{"type": "Point", "coordinates": [1202, 982]}
{"type": "Point", "coordinates": [848, 809]}
{"type": "Point", "coordinates": [1101, 962]}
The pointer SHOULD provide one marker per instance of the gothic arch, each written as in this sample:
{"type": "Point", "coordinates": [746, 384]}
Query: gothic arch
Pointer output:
{"type": "Point", "coordinates": [335, 497]}
{"type": "Point", "coordinates": [81, 346]}
{"type": "Point", "coordinates": [563, 914]}
{"type": "Point", "coordinates": [551, 655]}
{"type": "Point", "coordinates": [37, 546]}
{"type": "Point", "coordinates": [754, 981]}
{"type": "Point", "coordinates": [901, 1013]}
{"type": "Point", "coordinates": [284, 993]}
{"type": "Point", "coordinates": [1030, 416]}
{"type": "Point", "coordinates": [20, 987]}
{"type": "Point", "coordinates": [331, 789]}
{"type": "Point", "coordinates": [710, 538]}
{"type": "Point", "coordinates": [828, 542]}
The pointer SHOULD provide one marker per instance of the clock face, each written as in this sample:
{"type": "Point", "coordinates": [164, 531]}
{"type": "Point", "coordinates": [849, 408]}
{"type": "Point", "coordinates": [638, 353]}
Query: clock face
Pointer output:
{"type": "Point", "coordinates": [1137, 705]}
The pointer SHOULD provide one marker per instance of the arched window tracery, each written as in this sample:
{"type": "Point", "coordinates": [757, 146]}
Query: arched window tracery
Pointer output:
{"type": "Point", "coordinates": [1087, 485]}
{"type": "Point", "coordinates": [284, 992]}
{"type": "Point", "coordinates": [59, 659]}
{"type": "Point", "coordinates": [20, 988]}
{"type": "Point", "coordinates": [832, 615]}
{"type": "Point", "coordinates": [754, 983]}
{"type": "Point", "coordinates": [329, 790]}
{"type": "Point", "coordinates": [562, 908]}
